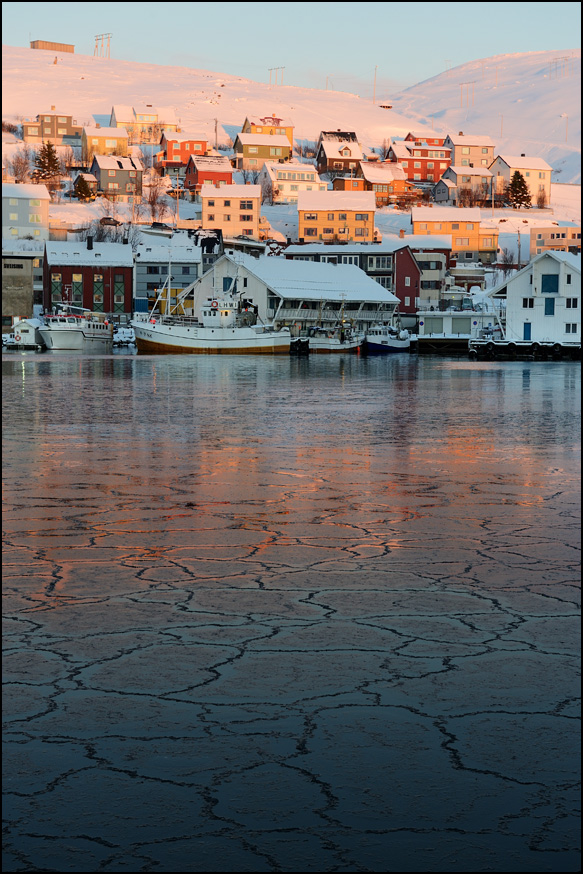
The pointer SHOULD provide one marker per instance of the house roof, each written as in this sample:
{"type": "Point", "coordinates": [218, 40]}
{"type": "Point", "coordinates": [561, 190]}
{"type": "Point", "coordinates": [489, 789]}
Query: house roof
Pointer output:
{"type": "Point", "coordinates": [27, 192]}
{"type": "Point", "coordinates": [315, 281]}
{"type": "Point", "coordinates": [211, 162]}
{"type": "Point", "coordinates": [116, 162]}
{"type": "Point", "coordinates": [123, 112]}
{"type": "Point", "coordinates": [448, 182]}
{"type": "Point", "coordinates": [523, 162]}
{"type": "Point", "coordinates": [332, 149]}
{"type": "Point", "coordinates": [263, 140]}
{"type": "Point", "coordinates": [382, 173]}
{"type": "Point", "coordinates": [445, 214]}
{"type": "Point", "coordinates": [231, 191]}
{"type": "Point", "coordinates": [272, 167]}
{"type": "Point", "coordinates": [401, 150]}
{"type": "Point", "coordinates": [169, 253]}
{"type": "Point", "coordinates": [422, 136]}
{"type": "Point", "coordinates": [268, 120]}
{"type": "Point", "coordinates": [427, 242]}
{"type": "Point", "coordinates": [349, 200]}
{"type": "Point", "coordinates": [184, 137]}
{"type": "Point", "coordinates": [115, 132]}
{"type": "Point", "coordinates": [470, 140]}
{"type": "Point", "coordinates": [106, 254]}
{"type": "Point", "coordinates": [469, 171]}
{"type": "Point", "coordinates": [389, 244]}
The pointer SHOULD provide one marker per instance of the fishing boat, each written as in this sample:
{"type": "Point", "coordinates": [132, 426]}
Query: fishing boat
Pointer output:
{"type": "Point", "coordinates": [339, 338]}
{"type": "Point", "coordinates": [384, 338]}
{"type": "Point", "coordinates": [90, 333]}
{"type": "Point", "coordinates": [224, 325]}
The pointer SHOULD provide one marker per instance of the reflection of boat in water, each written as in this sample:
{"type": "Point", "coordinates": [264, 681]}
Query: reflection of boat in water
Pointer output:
{"type": "Point", "coordinates": [340, 338]}
{"type": "Point", "coordinates": [224, 325]}
{"type": "Point", "coordinates": [384, 338]}
{"type": "Point", "coordinates": [90, 333]}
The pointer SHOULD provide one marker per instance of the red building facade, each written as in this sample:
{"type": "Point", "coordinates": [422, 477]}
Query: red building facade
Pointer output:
{"type": "Point", "coordinates": [95, 276]}
{"type": "Point", "coordinates": [210, 170]}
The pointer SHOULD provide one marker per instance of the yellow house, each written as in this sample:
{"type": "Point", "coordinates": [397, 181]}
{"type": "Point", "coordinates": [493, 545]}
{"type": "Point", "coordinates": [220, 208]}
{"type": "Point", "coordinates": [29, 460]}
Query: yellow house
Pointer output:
{"type": "Point", "coordinates": [536, 173]}
{"type": "Point", "coordinates": [470, 241]}
{"type": "Point", "coordinates": [269, 124]}
{"type": "Point", "coordinates": [336, 215]}
{"type": "Point", "coordinates": [232, 208]}
{"type": "Point", "coordinates": [103, 141]}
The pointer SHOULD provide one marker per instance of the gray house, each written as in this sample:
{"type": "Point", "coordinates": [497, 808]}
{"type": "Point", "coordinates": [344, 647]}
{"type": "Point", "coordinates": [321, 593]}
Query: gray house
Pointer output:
{"type": "Point", "coordinates": [463, 186]}
{"type": "Point", "coordinates": [118, 177]}
{"type": "Point", "coordinates": [177, 256]}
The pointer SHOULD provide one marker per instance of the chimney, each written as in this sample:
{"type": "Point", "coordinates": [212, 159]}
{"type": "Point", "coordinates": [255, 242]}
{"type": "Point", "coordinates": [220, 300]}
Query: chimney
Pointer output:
{"type": "Point", "coordinates": [97, 124]}
{"type": "Point", "coordinates": [402, 234]}
{"type": "Point", "coordinates": [522, 155]}
{"type": "Point", "coordinates": [461, 133]}
{"type": "Point", "coordinates": [53, 108]}
{"type": "Point", "coordinates": [89, 243]}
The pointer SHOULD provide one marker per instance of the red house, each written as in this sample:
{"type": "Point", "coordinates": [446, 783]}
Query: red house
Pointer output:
{"type": "Point", "coordinates": [429, 137]}
{"type": "Point", "coordinates": [175, 151]}
{"type": "Point", "coordinates": [420, 161]}
{"type": "Point", "coordinates": [96, 276]}
{"type": "Point", "coordinates": [209, 170]}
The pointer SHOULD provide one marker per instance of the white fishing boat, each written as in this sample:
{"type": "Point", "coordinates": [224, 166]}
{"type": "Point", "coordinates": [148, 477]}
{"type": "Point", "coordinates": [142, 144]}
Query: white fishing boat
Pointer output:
{"type": "Point", "coordinates": [340, 338]}
{"type": "Point", "coordinates": [224, 325]}
{"type": "Point", "coordinates": [90, 333]}
{"type": "Point", "coordinates": [383, 339]}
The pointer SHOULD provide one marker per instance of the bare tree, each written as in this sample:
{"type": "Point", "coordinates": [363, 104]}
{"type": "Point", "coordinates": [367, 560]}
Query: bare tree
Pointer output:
{"type": "Point", "coordinates": [20, 165]}
{"type": "Point", "coordinates": [267, 191]}
{"type": "Point", "coordinates": [383, 151]}
{"type": "Point", "coordinates": [154, 193]}
{"type": "Point", "coordinates": [541, 200]}
{"type": "Point", "coordinates": [507, 261]}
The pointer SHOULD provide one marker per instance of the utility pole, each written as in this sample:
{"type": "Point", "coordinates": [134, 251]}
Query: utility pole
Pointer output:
{"type": "Point", "coordinates": [374, 87]}
{"type": "Point", "coordinates": [216, 136]}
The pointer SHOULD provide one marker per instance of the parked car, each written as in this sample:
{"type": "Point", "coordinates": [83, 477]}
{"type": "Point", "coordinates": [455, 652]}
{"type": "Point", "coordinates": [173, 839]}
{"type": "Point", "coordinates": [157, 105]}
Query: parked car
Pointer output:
{"type": "Point", "coordinates": [107, 220]}
{"type": "Point", "coordinates": [161, 225]}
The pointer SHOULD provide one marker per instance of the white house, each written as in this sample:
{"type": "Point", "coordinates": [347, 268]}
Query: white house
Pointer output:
{"type": "Point", "coordinates": [543, 300]}
{"type": "Point", "coordinates": [25, 211]}
{"type": "Point", "coordinates": [536, 172]}
{"type": "Point", "coordinates": [282, 183]}
{"type": "Point", "coordinates": [299, 293]}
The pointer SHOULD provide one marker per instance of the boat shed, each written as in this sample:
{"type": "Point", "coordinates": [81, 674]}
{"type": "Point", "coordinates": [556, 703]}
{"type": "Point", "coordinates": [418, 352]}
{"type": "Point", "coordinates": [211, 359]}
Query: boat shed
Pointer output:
{"type": "Point", "coordinates": [299, 294]}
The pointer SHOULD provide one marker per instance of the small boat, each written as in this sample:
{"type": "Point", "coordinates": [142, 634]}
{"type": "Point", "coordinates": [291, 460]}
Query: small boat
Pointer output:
{"type": "Point", "coordinates": [383, 338]}
{"type": "Point", "coordinates": [90, 333]}
{"type": "Point", "coordinates": [339, 338]}
{"type": "Point", "coordinates": [224, 325]}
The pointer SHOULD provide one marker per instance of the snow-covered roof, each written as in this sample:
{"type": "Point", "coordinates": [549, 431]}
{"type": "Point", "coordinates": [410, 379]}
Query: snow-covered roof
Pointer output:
{"type": "Point", "coordinates": [349, 200]}
{"type": "Point", "coordinates": [270, 120]}
{"type": "Point", "coordinates": [263, 140]}
{"type": "Point", "coordinates": [211, 162]}
{"type": "Point", "coordinates": [183, 137]}
{"type": "Point", "coordinates": [144, 109]}
{"type": "Point", "coordinates": [230, 191]}
{"type": "Point", "coordinates": [422, 136]}
{"type": "Point", "coordinates": [28, 192]}
{"type": "Point", "coordinates": [427, 241]}
{"type": "Point", "coordinates": [271, 168]}
{"type": "Point", "coordinates": [334, 148]}
{"type": "Point", "coordinates": [401, 150]}
{"type": "Point", "coordinates": [315, 281]}
{"type": "Point", "coordinates": [166, 114]}
{"type": "Point", "coordinates": [105, 254]}
{"type": "Point", "coordinates": [469, 171]}
{"type": "Point", "coordinates": [572, 261]}
{"type": "Point", "coordinates": [88, 177]}
{"type": "Point", "coordinates": [390, 243]}
{"type": "Point", "coordinates": [447, 182]}
{"type": "Point", "coordinates": [523, 162]}
{"type": "Point", "coordinates": [122, 112]}
{"type": "Point", "coordinates": [16, 246]}
{"type": "Point", "coordinates": [382, 173]}
{"type": "Point", "coordinates": [176, 251]}
{"type": "Point", "coordinates": [445, 214]}
{"type": "Point", "coordinates": [470, 140]}
{"type": "Point", "coordinates": [117, 162]}
{"type": "Point", "coordinates": [94, 131]}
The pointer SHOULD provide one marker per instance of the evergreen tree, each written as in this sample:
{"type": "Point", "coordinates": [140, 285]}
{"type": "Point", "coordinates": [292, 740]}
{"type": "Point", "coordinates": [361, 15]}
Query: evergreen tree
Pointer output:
{"type": "Point", "coordinates": [82, 188]}
{"type": "Point", "coordinates": [47, 167]}
{"type": "Point", "coordinates": [518, 193]}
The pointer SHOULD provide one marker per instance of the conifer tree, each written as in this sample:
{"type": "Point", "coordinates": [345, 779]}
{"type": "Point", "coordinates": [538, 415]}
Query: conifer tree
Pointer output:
{"type": "Point", "coordinates": [518, 193]}
{"type": "Point", "coordinates": [83, 190]}
{"type": "Point", "coordinates": [47, 167]}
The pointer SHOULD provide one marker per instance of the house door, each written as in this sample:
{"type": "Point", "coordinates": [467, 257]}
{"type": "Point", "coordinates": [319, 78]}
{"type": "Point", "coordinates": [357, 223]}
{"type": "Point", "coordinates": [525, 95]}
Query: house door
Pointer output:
{"type": "Point", "coordinates": [526, 331]}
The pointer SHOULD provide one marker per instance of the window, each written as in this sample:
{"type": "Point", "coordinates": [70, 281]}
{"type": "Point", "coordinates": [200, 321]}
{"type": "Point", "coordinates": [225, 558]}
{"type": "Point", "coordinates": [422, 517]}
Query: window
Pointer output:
{"type": "Point", "coordinates": [571, 328]}
{"type": "Point", "coordinates": [328, 230]}
{"type": "Point", "coordinates": [310, 232]}
{"type": "Point", "coordinates": [484, 151]}
{"type": "Point", "coordinates": [550, 283]}
{"type": "Point", "coordinates": [330, 216]}
{"type": "Point", "coordinates": [549, 306]}
{"type": "Point", "coordinates": [455, 226]}
{"type": "Point", "coordinates": [416, 164]}
{"type": "Point", "coordinates": [361, 216]}
{"type": "Point", "coordinates": [462, 241]}
{"type": "Point", "coordinates": [417, 176]}
{"type": "Point", "coordinates": [466, 179]}
{"type": "Point", "coordinates": [246, 204]}
{"type": "Point", "coordinates": [227, 218]}
{"type": "Point", "coordinates": [310, 217]}
{"type": "Point", "coordinates": [110, 144]}
{"type": "Point", "coordinates": [211, 217]}
{"type": "Point", "coordinates": [226, 202]}
{"type": "Point", "coordinates": [210, 203]}
{"type": "Point", "coordinates": [469, 226]}
{"type": "Point", "coordinates": [465, 150]}
{"type": "Point", "coordinates": [361, 232]}
{"type": "Point", "coordinates": [572, 303]}
{"type": "Point", "coordinates": [274, 150]}
{"type": "Point", "coordinates": [487, 241]}
{"type": "Point", "coordinates": [568, 279]}
{"type": "Point", "coordinates": [153, 270]}
{"type": "Point", "coordinates": [252, 150]}
{"type": "Point", "coordinates": [528, 303]}
{"type": "Point", "coordinates": [246, 218]}
{"type": "Point", "coordinates": [13, 216]}
{"type": "Point", "coordinates": [407, 281]}
{"type": "Point", "coordinates": [113, 185]}
{"type": "Point", "coordinates": [430, 165]}
{"type": "Point", "coordinates": [34, 218]}
{"type": "Point", "coordinates": [407, 301]}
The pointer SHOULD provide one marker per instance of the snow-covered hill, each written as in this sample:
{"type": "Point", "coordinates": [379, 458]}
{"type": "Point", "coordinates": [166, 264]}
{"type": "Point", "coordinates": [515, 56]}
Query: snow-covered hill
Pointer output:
{"type": "Point", "coordinates": [526, 102]}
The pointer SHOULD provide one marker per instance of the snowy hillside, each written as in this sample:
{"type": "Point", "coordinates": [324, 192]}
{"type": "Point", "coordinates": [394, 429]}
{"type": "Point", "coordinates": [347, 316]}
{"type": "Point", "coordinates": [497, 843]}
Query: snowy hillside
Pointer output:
{"type": "Point", "coordinates": [526, 102]}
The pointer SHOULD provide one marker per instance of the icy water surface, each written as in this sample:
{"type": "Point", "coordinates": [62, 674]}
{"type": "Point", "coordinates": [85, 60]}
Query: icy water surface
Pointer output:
{"type": "Point", "coordinates": [290, 615]}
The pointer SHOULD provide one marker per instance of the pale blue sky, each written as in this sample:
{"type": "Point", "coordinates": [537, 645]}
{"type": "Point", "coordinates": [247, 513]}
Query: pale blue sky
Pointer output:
{"type": "Point", "coordinates": [313, 42]}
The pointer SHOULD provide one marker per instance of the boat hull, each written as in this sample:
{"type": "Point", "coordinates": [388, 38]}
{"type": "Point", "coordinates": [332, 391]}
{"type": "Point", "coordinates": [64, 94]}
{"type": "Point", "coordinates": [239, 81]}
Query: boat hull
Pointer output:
{"type": "Point", "coordinates": [317, 346]}
{"type": "Point", "coordinates": [162, 340]}
{"type": "Point", "coordinates": [387, 348]}
{"type": "Point", "coordinates": [75, 341]}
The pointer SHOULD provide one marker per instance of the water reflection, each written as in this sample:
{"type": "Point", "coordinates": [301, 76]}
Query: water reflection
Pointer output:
{"type": "Point", "coordinates": [290, 614]}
